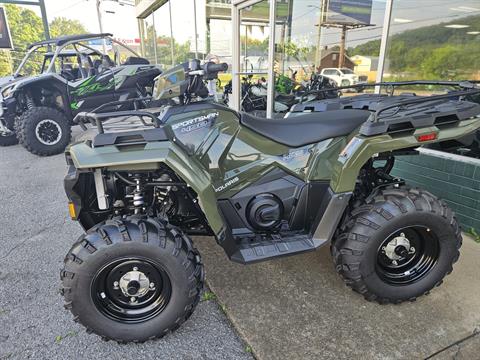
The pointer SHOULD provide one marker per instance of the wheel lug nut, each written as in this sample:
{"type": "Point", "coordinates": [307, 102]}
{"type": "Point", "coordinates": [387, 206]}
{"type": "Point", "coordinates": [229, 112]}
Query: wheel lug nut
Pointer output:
{"type": "Point", "coordinates": [394, 262]}
{"type": "Point", "coordinates": [132, 299]}
{"type": "Point", "coordinates": [152, 285]}
{"type": "Point", "coordinates": [135, 269]}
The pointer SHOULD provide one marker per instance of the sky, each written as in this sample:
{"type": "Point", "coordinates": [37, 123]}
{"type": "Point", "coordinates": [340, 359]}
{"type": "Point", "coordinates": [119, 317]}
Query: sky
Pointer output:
{"type": "Point", "coordinates": [122, 24]}
{"type": "Point", "coordinates": [407, 14]}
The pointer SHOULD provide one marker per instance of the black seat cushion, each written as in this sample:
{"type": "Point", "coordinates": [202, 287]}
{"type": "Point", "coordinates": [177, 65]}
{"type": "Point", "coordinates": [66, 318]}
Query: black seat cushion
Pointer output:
{"type": "Point", "coordinates": [306, 128]}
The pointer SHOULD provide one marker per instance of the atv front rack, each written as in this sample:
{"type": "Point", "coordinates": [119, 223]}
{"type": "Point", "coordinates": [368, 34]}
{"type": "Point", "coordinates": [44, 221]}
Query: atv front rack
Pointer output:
{"type": "Point", "coordinates": [96, 117]}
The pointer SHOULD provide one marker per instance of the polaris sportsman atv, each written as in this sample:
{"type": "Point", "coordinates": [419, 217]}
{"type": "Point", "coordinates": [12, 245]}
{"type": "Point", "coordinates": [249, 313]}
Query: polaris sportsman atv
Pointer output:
{"type": "Point", "coordinates": [75, 76]}
{"type": "Point", "coordinates": [263, 189]}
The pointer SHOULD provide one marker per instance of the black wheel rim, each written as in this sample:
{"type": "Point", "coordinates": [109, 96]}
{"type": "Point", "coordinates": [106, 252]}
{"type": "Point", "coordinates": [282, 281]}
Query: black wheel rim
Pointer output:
{"type": "Point", "coordinates": [116, 302]}
{"type": "Point", "coordinates": [48, 132]}
{"type": "Point", "coordinates": [407, 255]}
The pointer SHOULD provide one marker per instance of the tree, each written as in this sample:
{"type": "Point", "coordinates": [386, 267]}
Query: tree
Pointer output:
{"type": "Point", "coordinates": [26, 28]}
{"type": "Point", "coordinates": [61, 26]}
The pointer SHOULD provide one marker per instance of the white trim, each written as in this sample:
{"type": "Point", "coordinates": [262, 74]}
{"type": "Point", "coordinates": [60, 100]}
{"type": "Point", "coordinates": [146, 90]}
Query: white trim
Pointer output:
{"type": "Point", "coordinates": [271, 60]}
{"type": "Point", "coordinates": [448, 156]}
{"type": "Point", "coordinates": [234, 101]}
{"type": "Point", "coordinates": [383, 45]}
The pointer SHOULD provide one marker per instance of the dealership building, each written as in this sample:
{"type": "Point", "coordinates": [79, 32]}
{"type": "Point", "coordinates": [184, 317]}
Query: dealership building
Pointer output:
{"type": "Point", "coordinates": [376, 39]}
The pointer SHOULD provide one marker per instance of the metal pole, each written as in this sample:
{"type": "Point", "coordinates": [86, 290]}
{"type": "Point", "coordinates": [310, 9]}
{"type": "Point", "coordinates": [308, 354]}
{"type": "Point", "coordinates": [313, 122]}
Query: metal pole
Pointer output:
{"type": "Point", "coordinates": [171, 33]}
{"type": "Point", "coordinates": [154, 39]}
{"type": "Point", "coordinates": [384, 43]}
{"type": "Point", "coordinates": [99, 15]}
{"type": "Point", "coordinates": [195, 24]}
{"type": "Point", "coordinates": [323, 15]}
{"type": "Point", "coordinates": [234, 101]}
{"type": "Point", "coordinates": [271, 61]}
{"type": "Point", "coordinates": [43, 11]}
{"type": "Point", "coordinates": [341, 61]}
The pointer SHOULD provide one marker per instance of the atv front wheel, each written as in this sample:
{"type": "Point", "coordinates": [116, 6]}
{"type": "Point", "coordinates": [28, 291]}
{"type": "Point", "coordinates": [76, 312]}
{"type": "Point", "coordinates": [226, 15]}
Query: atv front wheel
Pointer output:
{"type": "Point", "coordinates": [43, 131]}
{"type": "Point", "coordinates": [398, 246]}
{"type": "Point", "coordinates": [132, 280]}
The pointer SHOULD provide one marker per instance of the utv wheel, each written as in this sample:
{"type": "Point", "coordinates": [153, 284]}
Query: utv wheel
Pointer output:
{"type": "Point", "coordinates": [43, 131]}
{"type": "Point", "coordinates": [8, 136]}
{"type": "Point", "coordinates": [397, 247]}
{"type": "Point", "coordinates": [132, 280]}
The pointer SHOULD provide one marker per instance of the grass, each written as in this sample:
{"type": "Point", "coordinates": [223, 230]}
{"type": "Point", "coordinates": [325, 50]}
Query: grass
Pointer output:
{"type": "Point", "coordinates": [59, 338]}
{"type": "Point", "coordinates": [208, 295]}
{"type": "Point", "coordinates": [473, 233]}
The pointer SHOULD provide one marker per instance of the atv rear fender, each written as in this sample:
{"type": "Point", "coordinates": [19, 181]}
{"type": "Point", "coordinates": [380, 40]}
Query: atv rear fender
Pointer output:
{"type": "Point", "coordinates": [362, 148]}
{"type": "Point", "coordinates": [151, 157]}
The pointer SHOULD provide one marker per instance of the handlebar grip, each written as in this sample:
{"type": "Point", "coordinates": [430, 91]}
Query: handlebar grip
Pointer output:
{"type": "Point", "coordinates": [211, 67]}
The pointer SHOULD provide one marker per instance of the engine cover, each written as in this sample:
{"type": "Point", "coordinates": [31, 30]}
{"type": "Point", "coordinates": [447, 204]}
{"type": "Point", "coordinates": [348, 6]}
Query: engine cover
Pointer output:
{"type": "Point", "coordinates": [265, 212]}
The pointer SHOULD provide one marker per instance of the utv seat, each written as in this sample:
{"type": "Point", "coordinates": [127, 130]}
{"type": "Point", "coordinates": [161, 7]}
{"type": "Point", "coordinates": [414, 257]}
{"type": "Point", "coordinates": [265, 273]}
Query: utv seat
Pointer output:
{"type": "Point", "coordinates": [306, 128]}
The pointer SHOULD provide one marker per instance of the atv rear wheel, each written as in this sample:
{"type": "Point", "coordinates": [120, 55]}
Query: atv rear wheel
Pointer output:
{"type": "Point", "coordinates": [7, 133]}
{"type": "Point", "coordinates": [398, 246]}
{"type": "Point", "coordinates": [132, 280]}
{"type": "Point", "coordinates": [44, 131]}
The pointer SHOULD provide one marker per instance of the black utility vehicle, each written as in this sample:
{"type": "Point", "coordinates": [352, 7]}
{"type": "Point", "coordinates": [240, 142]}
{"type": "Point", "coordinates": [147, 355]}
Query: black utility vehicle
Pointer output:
{"type": "Point", "coordinates": [78, 73]}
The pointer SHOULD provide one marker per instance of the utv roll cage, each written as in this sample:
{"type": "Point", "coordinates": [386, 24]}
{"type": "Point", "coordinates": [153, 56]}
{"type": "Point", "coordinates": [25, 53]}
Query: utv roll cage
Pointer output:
{"type": "Point", "coordinates": [62, 42]}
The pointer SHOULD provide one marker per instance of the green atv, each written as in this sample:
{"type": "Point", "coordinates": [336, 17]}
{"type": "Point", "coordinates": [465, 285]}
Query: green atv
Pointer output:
{"type": "Point", "coordinates": [262, 188]}
{"type": "Point", "coordinates": [78, 73]}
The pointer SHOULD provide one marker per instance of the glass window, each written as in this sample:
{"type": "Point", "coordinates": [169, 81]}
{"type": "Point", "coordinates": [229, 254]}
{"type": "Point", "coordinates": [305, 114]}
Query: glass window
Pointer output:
{"type": "Point", "coordinates": [433, 40]}
{"type": "Point", "coordinates": [148, 32]}
{"type": "Point", "coordinates": [327, 37]}
{"type": "Point", "coordinates": [164, 40]}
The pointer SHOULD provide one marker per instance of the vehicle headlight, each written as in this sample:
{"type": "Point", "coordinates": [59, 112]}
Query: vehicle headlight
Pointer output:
{"type": "Point", "coordinates": [8, 91]}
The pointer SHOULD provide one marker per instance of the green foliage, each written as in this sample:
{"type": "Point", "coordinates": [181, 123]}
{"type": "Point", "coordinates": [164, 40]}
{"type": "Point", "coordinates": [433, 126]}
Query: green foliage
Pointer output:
{"type": "Point", "coordinates": [431, 52]}
{"type": "Point", "coordinates": [181, 52]}
{"type": "Point", "coordinates": [475, 235]}
{"type": "Point", "coordinates": [208, 295]}
{"type": "Point", "coordinates": [61, 26]}
{"type": "Point", "coordinates": [26, 27]}
{"type": "Point", "coordinates": [59, 338]}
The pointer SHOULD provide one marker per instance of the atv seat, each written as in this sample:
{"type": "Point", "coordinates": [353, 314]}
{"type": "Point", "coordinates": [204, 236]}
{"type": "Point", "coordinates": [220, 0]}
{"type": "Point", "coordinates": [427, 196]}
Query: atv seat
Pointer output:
{"type": "Point", "coordinates": [306, 128]}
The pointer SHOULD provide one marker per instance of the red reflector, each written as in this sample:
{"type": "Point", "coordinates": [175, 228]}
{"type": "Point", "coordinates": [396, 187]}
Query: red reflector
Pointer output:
{"type": "Point", "coordinates": [427, 137]}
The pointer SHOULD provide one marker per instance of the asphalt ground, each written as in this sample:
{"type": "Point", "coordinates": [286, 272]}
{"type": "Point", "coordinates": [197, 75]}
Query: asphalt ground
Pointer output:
{"type": "Point", "coordinates": [35, 235]}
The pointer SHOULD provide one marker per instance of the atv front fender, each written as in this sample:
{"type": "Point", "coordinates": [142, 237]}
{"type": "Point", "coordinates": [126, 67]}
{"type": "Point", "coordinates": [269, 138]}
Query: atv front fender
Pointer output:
{"type": "Point", "coordinates": [361, 148]}
{"type": "Point", "coordinates": [151, 157]}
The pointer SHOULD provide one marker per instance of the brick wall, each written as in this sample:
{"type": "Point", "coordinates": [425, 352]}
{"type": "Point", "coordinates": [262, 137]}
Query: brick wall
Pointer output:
{"type": "Point", "coordinates": [456, 179]}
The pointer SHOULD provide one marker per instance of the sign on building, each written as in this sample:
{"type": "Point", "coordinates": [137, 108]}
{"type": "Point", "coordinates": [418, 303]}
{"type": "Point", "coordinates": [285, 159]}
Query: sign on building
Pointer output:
{"type": "Point", "coordinates": [350, 12]}
{"type": "Point", "coordinates": [5, 37]}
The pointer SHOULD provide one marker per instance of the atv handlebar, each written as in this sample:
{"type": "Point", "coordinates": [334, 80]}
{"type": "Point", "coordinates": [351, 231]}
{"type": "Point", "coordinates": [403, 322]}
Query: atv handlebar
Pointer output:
{"type": "Point", "coordinates": [211, 67]}
{"type": "Point", "coordinates": [208, 70]}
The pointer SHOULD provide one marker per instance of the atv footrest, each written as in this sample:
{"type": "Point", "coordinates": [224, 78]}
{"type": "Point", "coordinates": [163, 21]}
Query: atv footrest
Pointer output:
{"type": "Point", "coordinates": [272, 246]}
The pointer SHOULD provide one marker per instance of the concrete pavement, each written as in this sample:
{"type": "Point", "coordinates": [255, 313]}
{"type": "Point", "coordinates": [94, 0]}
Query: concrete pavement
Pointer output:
{"type": "Point", "coordinates": [35, 235]}
{"type": "Point", "coordinates": [298, 308]}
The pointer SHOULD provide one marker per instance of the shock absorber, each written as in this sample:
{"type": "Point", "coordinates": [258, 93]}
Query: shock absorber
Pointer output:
{"type": "Point", "coordinates": [138, 196]}
{"type": "Point", "coordinates": [29, 102]}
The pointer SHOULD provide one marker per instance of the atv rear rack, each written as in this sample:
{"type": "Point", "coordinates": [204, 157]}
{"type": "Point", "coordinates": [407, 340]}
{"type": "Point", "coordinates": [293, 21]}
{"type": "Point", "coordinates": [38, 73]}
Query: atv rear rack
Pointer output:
{"type": "Point", "coordinates": [419, 112]}
{"type": "Point", "coordinates": [467, 84]}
